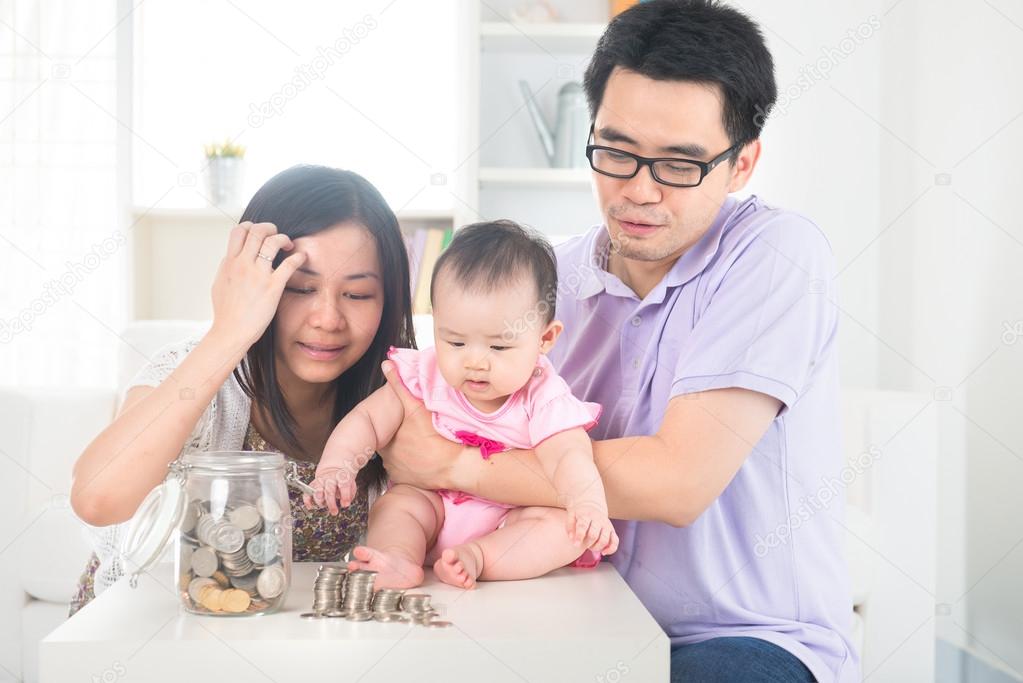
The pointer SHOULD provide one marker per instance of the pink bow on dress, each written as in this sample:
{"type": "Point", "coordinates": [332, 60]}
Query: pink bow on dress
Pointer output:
{"type": "Point", "coordinates": [487, 446]}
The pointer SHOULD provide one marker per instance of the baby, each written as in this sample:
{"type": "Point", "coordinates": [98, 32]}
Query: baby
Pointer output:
{"type": "Point", "coordinates": [487, 383]}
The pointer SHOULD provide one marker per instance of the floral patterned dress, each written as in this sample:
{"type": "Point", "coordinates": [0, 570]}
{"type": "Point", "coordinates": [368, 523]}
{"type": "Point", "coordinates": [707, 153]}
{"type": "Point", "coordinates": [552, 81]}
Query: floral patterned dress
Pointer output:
{"type": "Point", "coordinates": [317, 535]}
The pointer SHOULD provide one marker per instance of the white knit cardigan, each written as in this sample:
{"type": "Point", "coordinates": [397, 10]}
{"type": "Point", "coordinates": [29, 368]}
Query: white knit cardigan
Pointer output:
{"type": "Point", "coordinates": [221, 427]}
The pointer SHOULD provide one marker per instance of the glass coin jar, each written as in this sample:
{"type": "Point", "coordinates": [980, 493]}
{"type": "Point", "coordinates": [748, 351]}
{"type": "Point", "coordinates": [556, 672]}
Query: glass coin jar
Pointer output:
{"type": "Point", "coordinates": [230, 519]}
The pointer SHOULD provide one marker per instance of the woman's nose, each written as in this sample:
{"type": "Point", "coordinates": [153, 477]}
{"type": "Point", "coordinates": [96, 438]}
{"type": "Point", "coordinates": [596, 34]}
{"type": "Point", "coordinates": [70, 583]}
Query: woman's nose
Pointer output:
{"type": "Point", "coordinates": [327, 315]}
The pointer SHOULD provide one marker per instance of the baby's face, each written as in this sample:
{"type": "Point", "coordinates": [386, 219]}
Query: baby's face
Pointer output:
{"type": "Point", "coordinates": [494, 339]}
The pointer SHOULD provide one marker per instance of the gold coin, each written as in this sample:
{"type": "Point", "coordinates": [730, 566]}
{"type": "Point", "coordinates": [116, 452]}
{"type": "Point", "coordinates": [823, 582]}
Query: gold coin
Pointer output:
{"type": "Point", "coordinates": [236, 600]}
{"type": "Point", "coordinates": [221, 578]}
{"type": "Point", "coordinates": [212, 599]}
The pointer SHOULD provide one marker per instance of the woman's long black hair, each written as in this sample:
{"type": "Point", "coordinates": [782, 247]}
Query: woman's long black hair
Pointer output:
{"type": "Point", "coordinates": [301, 201]}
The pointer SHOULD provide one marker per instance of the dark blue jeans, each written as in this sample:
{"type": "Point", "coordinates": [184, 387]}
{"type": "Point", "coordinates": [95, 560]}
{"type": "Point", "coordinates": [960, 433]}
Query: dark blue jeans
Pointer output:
{"type": "Point", "coordinates": [727, 660]}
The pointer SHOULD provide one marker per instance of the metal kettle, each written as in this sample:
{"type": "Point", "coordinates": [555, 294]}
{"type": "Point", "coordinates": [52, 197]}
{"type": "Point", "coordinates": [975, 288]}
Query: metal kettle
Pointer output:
{"type": "Point", "coordinates": [565, 147]}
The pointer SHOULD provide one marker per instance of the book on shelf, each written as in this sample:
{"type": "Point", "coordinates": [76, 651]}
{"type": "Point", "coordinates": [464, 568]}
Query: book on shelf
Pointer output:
{"type": "Point", "coordinates": [424, 246]}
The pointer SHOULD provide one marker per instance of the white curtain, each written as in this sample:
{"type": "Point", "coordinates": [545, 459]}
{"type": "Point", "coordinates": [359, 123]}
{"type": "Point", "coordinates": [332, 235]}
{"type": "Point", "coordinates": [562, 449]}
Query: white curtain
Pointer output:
{"type": "Point", "coordinates": [63, 253]}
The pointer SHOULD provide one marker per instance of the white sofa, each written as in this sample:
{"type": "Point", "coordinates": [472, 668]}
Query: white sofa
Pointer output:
{"type": "Point", "coordinates": [43, 548]}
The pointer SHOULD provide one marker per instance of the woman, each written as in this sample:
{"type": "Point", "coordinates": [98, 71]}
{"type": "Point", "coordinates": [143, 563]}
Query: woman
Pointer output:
{"type": "Point", "coordinates": [313, 290]}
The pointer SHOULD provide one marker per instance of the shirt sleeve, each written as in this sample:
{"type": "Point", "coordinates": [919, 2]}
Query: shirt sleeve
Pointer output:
{"type": "Point", "coordinates": [769, 321]}
{"type": "Point", "coordinates": [407, 363]}
{"type": "Point", "coordinates": [557, 410]}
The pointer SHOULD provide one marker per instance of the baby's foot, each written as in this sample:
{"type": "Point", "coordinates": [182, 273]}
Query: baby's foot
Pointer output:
{"type": "Point", "coordinates": [460, 566]}
{"type": "Point", "coordinates": [394, 570]}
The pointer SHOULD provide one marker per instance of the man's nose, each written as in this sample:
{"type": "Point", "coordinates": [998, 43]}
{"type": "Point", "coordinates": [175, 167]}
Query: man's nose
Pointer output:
{"type": "Point", "coordinates": [642, 188]}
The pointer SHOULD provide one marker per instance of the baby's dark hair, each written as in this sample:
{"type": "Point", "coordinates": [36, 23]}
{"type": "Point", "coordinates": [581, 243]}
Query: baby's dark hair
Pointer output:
{"type": "Point", "coordinates": [483, 257]}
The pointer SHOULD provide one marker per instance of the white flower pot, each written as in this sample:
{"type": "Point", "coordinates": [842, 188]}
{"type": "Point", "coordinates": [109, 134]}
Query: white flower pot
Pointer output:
{"type": "Point", "coordinates": [225, 180]}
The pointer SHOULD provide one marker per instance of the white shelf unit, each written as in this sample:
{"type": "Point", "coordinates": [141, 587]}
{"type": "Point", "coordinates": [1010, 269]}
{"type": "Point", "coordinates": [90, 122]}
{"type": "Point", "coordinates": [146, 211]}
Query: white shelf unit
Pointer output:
{"type": "Point", "coordinates": [506, 173]}
{"type": "Point", "coordinates": [168, 242]}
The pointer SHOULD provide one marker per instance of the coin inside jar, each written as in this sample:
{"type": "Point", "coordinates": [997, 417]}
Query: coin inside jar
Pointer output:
{"type": "Point", "coordinates": [269, 509]}
{"type": "Point", "coordinates": [262, 548]}
{"type": "Point", "coordinates": [270, 583]}
{"type": "Point", "coordinates": [204, 561]}
{"type": "Point", "coordinates": [227, 538]}
{"type": "Point", "coordinates": [235, 600]}
{"type": "Point", "coordinates": [196, 585]}
{"type": "Point", "coordinates": [246, 518]}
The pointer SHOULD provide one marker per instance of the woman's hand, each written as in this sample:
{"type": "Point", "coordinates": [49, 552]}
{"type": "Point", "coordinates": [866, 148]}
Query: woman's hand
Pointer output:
{"type": "Point", "coordinates": [247, 289]}
{"type": "Point", "coordinates": [417, 455]}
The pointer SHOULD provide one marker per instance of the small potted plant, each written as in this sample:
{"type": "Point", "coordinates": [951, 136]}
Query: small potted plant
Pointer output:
{"type": "Point", "coordinates": [225, 163]}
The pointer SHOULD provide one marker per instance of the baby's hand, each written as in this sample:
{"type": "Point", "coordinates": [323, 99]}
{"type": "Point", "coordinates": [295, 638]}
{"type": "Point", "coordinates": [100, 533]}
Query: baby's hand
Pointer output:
{"type": "Point", "coordinates": [332, 485]}
{"type": "Point", "coordinates": [588, 526]}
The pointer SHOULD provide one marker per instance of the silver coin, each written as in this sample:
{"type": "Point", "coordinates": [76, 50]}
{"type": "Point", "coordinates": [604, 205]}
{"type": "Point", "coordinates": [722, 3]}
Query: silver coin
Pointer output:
{"type": "Point", "coordinates": [262, 548]}
{"type": "Point", "coordinates": [246, 518]}
{"type": "Point", "coordinates": [270, 583]}
{"type": "Point", "coordinates": [196, 585]}
{"type": "Point", "coordinates": [204, 562]}
{"type": "Point", "coordinates": [193, 510]}
{"type": "Point", "coordinates": [335, 613]}
{"type": "Point", "coordinates": [311, 615]}
{"type": "Point", "coordinates": [227, 538]}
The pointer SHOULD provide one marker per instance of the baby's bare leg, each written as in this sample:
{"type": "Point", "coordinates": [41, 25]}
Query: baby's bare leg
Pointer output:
{"type": "Point", "coordinates": [532, 542]}
{"type": "Point", "coordinates": [403, 524]}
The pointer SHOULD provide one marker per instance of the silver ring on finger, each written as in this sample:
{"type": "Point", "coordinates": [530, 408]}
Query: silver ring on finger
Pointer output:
{"type": "Point", "coordinates": [265, 257]}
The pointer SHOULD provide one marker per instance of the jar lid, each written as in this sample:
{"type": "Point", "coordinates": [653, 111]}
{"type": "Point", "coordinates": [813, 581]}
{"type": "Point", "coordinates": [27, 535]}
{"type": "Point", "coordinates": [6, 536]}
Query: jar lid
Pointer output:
{"type": "Point", "coordinates": [151, 527]}
{"type": "Point", "coordinates": [233, 462]}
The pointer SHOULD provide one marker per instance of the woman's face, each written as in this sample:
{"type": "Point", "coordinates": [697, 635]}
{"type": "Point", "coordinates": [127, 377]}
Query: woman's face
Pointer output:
{"type": "Point", "coordinates": [331, 307]}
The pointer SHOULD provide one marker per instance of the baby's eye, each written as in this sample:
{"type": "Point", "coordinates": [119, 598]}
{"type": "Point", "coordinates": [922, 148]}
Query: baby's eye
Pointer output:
{"type": "Point", "coordinates": [500, 348]}
{"type": "Point", "coordinates": [456, 344]}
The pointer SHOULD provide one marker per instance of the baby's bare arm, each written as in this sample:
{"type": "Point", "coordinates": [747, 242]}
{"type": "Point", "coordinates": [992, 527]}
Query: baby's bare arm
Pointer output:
{"type": "Point", "coordinates": [567, 459]}
{"type": "Point", "coordinates": [351, 445]}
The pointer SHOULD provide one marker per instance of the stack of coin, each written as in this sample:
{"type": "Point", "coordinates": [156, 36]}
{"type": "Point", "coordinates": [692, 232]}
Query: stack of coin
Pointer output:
{"type": "Point", "coordinates": [386, 605]}
{"type": "Point", "coordinates": [418, 607]}
{"type": "Point", "coordinates": [358, 598]}
{"type": "Point", "coordinates": [236, 563]}
{"type": "Point", "coordinates": [219, 533]}
{"type": "Point", "coordinates": [204, 561]}
{"type": "Point", "coordinates": [328, 589]}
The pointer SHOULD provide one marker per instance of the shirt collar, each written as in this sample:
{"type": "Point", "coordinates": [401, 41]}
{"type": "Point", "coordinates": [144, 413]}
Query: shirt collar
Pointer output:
{"type": "Point", "coordinates": [594, 278]}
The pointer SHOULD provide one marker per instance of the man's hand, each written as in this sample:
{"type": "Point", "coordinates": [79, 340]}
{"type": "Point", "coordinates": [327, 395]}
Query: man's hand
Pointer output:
{"type": "Point", "coordinates": [417, 454]}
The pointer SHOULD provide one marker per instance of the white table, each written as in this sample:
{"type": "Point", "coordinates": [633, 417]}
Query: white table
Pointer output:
{"type": "Point", "coordinates": [572, 625]}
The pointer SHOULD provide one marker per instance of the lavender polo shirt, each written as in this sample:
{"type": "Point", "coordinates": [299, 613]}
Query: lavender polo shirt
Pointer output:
{"type": "Point", "coordinates": [747, 306]}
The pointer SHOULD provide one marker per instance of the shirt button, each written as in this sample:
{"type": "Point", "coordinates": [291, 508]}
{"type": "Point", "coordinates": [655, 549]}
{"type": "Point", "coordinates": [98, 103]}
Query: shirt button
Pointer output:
{"type": "Point", "coordinates": [636, 321]}
{"type": "Point", "coordinates": [635, 363]}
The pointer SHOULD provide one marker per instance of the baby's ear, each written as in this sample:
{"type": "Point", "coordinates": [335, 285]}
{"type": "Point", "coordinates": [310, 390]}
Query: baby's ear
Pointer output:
{"type": "Point", "coordinates": [550, 335]}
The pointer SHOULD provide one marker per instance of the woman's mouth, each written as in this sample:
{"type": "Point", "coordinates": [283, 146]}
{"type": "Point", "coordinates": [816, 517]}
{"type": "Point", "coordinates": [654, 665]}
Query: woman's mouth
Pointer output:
{"type": "Point", "coordinates": [639, 229]}
{"type": "Point", "coordinates": [318, 352]}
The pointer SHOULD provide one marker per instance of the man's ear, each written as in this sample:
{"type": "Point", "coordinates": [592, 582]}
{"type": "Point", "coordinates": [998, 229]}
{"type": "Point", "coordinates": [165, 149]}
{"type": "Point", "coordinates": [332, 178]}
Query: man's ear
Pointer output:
{"type": "Point", "coordinates": [744, 165]}
{"type": "Point", "coordinates": [550, 335]}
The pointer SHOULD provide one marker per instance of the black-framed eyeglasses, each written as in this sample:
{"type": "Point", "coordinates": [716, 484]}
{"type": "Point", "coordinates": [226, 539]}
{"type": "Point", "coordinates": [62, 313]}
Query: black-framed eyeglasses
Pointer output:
{"type": "Point", "coordinates": [618, 163]}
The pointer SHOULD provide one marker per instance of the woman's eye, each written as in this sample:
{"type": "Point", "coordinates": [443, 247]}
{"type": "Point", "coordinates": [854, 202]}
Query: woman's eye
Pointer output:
{"type": "Point", "coordinates": [359, 297]}
{"type": "Point", "coordinates": [298, 290]}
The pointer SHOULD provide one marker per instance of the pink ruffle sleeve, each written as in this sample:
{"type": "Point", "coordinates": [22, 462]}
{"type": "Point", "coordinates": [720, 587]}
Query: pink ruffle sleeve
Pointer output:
{"type": "Point", "coordinates": [406, 362]}
{"type": "Point", "coordinates": [561, 413]}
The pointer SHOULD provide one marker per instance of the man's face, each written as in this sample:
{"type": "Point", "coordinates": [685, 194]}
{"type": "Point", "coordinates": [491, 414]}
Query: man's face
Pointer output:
{"type": "Point", "coordinates": [648, 221]}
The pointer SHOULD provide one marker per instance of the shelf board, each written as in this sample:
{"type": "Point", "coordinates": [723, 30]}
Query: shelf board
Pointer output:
{"type": "Point", "coordinates": [503, 36]}
{"type": "Point", "coordinates": [545, 178]}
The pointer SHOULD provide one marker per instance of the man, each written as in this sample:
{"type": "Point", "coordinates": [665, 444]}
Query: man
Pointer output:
{"type": "Point", "coordinates": [702, 324]}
